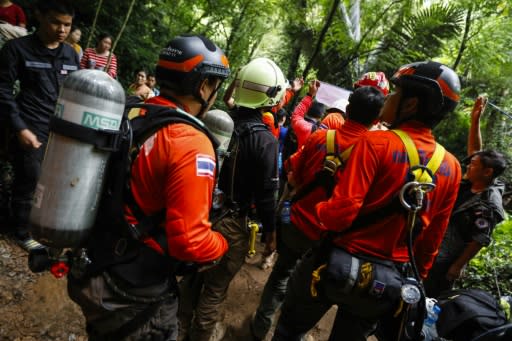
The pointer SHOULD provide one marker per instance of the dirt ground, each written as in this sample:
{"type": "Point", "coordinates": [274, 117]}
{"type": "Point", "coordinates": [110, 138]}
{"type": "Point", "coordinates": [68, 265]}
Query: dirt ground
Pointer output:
{"type": "Point", "coordinates": [35, 307]}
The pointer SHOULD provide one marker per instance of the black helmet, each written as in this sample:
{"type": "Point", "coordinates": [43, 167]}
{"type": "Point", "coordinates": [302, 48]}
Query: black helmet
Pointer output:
{"type": "Point", "coordinates": [442, 80]}
{"type": "Point", "coordinates": [187, 60]}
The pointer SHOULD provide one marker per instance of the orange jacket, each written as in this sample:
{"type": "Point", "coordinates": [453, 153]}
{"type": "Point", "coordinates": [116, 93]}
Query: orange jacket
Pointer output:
{"type": "Point", "coordinates": [175, 171]}
{"type": "Point", "coordinates": [374, 173]}
{"type": "Point", "coordinates": [268, 120]}
{"type": "Point", "coordinates": [306, 163]}
{"type": "Point", "coordinates": [333, 120]}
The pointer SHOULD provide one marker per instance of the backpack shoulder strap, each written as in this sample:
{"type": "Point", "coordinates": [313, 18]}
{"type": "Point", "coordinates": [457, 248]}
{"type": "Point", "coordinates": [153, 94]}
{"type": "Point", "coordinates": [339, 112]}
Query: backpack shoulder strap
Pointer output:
{"type": "Point", "coordinates": [419, 173]}
{"type": "Point", "coordinates": [332, 162]}
{"type": "Point", "coordinates": [140, 129]}
{"type": "Point", "coordinates": [414, 160]}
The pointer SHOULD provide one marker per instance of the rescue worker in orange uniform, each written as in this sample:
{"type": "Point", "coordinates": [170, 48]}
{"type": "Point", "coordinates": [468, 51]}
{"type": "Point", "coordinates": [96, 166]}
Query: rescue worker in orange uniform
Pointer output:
{"type": "Point", "coordinates": [304, 231]}
{"type": "Point", "coordinates": [363, 267]}
{"type": "Point", "coordinates": [173, 174]}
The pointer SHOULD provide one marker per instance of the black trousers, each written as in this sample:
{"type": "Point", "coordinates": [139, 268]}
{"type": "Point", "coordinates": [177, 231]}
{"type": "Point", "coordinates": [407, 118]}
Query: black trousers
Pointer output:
{"type": "Point", "coordinates": [27, 169]}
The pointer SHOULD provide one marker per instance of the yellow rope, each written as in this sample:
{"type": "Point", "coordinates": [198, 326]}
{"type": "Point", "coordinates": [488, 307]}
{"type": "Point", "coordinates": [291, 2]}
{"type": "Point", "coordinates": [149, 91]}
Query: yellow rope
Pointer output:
{"type": "Point", "coordinates": [315, 278]}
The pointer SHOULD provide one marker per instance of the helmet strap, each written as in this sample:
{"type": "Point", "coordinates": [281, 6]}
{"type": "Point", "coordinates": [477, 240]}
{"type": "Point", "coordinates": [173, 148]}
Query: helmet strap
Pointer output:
{"type": "Point", "coordinates": [204, 103]}
{"type": "Point", "coordinates": [398, 119]}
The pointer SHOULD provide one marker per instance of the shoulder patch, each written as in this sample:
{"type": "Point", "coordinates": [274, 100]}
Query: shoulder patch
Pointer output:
{"type": "Point", "coordinates": [205, 165]}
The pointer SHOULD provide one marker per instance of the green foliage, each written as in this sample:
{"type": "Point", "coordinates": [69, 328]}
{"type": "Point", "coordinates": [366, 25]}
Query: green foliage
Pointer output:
{"type": "Point", "coordinates": [393, 33]}
{"type": "Point", "coordinates": [420, 36]}
{"type": "Point", "coordinates": [492, 265]}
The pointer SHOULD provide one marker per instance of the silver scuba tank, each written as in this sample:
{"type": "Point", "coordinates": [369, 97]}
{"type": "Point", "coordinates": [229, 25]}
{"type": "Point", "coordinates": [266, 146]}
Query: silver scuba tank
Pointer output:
{"type": "Point", "coordinates": [221, 125]}
{"type": "Point", "coordinates": [68, 192]}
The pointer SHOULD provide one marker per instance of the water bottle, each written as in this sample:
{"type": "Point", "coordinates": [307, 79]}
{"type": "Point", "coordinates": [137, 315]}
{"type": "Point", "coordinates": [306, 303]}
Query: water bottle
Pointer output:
{"type": "Point", "coordinates": [285, 212]}
{"type": "Point", "coordinates": [429, 329]}
{"type": "Point", "coordinates": [280, 162]}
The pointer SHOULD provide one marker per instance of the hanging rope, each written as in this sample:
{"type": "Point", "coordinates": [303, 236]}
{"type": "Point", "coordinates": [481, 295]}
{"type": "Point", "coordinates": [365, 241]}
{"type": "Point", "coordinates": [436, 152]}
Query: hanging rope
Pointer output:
{"type": "Point", "coordinates": [120, 34]}
{"type": "Point", "coordinates": [91, 33]}
{"type": "Point", "coordinates": [501, 111]}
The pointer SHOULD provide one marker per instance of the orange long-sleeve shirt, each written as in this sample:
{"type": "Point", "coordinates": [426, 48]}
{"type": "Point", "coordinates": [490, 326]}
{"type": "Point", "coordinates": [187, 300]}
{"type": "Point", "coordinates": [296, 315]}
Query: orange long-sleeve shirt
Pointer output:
{"type": "Point", "coordinates": [175, 171]}
{"type": "Point", "coordinates": [306, 163]}
{"type": "Point", "coordinates": [374, 173]}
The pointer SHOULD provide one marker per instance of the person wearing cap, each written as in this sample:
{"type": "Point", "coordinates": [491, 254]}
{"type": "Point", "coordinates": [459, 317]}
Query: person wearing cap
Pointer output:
{"type": "Point", "coordinates": [479, 208]}
{"type": "Point", "coordinates": [360, 266]}
{"type": "Point", "coordinates": [377, 79]}
{"type": "Point", "coordinates": [249, 176]}
{"type": "Point", "coordinates": [304, 230]}
{"type": "Point", "coordinates": [171, 183]}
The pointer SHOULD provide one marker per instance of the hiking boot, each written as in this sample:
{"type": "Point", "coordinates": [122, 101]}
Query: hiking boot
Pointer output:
{"type": "Point", "coordinates": [251, 329]}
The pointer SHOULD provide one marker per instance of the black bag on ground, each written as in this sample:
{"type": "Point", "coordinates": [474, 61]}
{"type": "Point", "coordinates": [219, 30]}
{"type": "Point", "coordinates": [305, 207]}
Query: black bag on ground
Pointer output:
{"type": "Point", "coordinates": [468, 313]}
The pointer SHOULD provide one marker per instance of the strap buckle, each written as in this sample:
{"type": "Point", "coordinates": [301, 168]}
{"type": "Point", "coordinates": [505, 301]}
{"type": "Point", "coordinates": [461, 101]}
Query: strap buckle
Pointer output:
{"type": "Point", "coordinates": [331, 165]}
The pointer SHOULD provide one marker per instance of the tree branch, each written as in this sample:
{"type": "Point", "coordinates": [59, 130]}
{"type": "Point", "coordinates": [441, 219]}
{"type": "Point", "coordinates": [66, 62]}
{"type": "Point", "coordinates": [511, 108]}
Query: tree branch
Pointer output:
{"type": "Point", "coordinates": [93, 27]}
{"type": "Point", "coordinates": [321, 37]}
{"type": "Point", "coordinates": [119, 34]}
{"type": "Point", "coordinates": [463, 43]}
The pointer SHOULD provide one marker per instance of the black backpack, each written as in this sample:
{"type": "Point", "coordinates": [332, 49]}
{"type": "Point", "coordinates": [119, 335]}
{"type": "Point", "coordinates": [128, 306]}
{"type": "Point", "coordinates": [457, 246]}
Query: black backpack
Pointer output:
{"type": "Point", "coordinates": [468, 313]}
{"type": "Point", "coordinates": [227, 173]}
{"type": "Point", "coordinates": [110, 228]}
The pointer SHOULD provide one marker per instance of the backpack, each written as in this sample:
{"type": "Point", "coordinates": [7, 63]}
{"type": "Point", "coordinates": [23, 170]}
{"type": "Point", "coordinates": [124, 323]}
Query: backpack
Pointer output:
{"type": "Point", "coordinates": [227, 173]}
{"type": "Point", "coordinates": [468, 313]}
{"type": "Point", "coordinates": [114, 243]}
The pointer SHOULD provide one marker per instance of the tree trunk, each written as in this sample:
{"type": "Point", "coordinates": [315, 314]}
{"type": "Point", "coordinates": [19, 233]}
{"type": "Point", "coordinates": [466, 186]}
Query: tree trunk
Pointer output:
{"type": "Point", "coordinates": [93, 27]}
{"type": "Point", "coordinates": [114, 44]}
{"type": "Point", "coordinates": [295, 30]}
{"type": "Point", "coordinates": [462, 47]}
{"type": "Point", "coordinates": [235, 26]}
{"type": "Point", "coordinates": [318, 46]}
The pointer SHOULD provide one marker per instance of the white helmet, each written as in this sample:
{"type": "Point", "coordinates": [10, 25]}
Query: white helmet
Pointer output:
{"type": "Point", "coordinates": [340, 105]}
{"type": "Point", "coordinates": [258, 84]}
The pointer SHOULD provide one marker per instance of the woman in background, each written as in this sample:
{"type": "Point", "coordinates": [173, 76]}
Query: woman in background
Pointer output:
{"type": "Point", "coordinates": [97, 58]}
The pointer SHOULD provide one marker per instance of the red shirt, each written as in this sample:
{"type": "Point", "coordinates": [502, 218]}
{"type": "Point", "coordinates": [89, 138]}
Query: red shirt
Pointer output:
{"type": "Point", "coordinates": [91, 60]}
{"type": "Point", "coordinates": [13, 14]}
{"type": "Point", "coordinates": [306, 163]}
{"type": "Point", "coordinates": [175, 171]}
{"type": "Point", "coordinates": [374, 173]}
{"type": "Point", "coordinates": [300, 126]}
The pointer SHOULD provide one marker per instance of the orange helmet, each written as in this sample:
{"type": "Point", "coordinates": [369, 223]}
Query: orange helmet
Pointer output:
{"type": "Point", "coordinates": [187, 60]}
{"type": "Point", "coordinates": [440, 78]}
{"type": "Point", "coordinates": [376, 79]}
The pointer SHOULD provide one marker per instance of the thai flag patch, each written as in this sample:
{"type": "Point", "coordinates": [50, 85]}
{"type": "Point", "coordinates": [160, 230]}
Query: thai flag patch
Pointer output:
{"type": "Point", "coordinates": [377, 288]}
{"type": "Point", "coordinates": [205, 165]}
